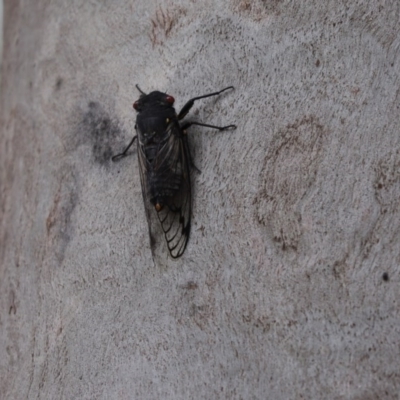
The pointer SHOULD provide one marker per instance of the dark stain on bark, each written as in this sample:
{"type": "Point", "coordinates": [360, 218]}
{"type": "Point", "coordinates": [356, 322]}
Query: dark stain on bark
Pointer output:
{"type": "Point", "coordinates": [102, 130]}
{"type": "Point", "coordinates": [59, 84]}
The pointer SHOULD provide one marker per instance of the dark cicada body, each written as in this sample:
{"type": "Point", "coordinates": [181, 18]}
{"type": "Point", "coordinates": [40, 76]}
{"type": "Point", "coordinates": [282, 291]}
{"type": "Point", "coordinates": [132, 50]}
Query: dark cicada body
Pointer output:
{"type": "Point", "coordinates": [165, 163]}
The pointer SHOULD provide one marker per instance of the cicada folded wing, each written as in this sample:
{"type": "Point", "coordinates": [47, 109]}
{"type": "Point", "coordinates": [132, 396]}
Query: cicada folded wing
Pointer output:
{"type": "Point", "coordinates": [165, 178]}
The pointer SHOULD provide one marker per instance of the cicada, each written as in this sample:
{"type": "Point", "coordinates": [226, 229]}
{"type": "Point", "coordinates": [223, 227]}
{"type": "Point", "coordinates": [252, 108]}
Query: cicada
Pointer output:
{"type": "Point", "coordinates": [165, 165]}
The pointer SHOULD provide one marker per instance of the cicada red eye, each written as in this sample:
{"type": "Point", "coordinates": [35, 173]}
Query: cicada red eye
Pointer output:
{"type": "Point", "coordinates": [170, 100]}
{"type": "Point", "coordinates": [135, 105]}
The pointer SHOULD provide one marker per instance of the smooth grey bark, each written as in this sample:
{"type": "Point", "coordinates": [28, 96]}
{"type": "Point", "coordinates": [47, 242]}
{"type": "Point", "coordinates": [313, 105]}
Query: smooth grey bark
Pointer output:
{"type": "Point", "coordinates": [281, 293]}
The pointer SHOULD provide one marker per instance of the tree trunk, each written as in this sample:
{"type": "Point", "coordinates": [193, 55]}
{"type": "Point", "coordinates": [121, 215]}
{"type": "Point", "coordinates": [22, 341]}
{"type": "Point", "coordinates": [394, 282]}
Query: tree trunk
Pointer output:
{"type": "Point", "coordinates": [289, 287]}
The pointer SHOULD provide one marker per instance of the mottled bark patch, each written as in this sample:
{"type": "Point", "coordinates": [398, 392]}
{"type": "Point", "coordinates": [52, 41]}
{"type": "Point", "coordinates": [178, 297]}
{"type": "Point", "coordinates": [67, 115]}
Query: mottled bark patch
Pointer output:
{"type": "Point", "coordinates": [387, 182]}
{"type": "Point", "coordinates": [60, 228]}
{"type": "Point", "coordinates": [163, 22]}
{"type": "Point", "coordinates": [289, 171]}
{"type": "Point", "coordinates": [257, 9]}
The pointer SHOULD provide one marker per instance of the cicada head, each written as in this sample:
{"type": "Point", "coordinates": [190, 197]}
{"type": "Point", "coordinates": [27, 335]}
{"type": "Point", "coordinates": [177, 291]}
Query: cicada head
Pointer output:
{"type": "Point", "coordinates": [153, 100]}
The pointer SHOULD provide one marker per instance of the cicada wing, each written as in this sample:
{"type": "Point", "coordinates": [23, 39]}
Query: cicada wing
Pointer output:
{"type": "Point", "coordinates": [155, 232]}
{"type": "Point", "coordinates": [169, 171]}
{"type": "Point", "coordinates": [175, 215]}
